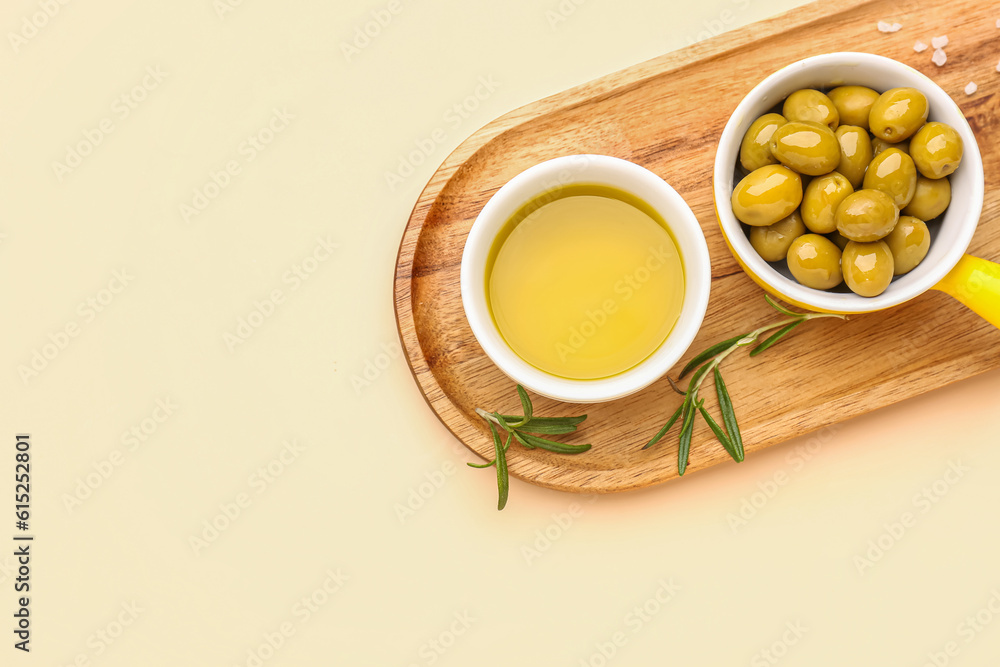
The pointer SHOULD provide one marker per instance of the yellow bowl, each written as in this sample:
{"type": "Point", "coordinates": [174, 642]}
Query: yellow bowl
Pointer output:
{"type": "Point", "coordinates": [973, 281]}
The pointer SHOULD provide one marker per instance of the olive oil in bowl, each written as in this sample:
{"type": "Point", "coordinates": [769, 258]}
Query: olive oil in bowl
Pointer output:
{"type": "Point", "coordinates": [585, 281]}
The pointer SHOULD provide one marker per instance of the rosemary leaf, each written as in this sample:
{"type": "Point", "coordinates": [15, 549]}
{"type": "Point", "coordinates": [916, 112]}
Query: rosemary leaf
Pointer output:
{"type": "Point", "coordinates": [720, 435]}
{"type": "Point", "coordinates": [503, 481]}
{"type": "Point", "coordinates": [505, 421]}
{"type": "Point", "coordinates": [520, 438]}
{"type": "Point", "coordinates": [550, 445]}
{"type": "Point", "coordinates": [548, 425]}
{"type": "Point", "coordinates": [521, 428]}
{"type": "Point", "coordinates": [547, 430]}
{"type": "Point", "coordinates": [729, 432]}
{"type": "Point", "coordinates": [696, 378]}
{"type": "Point", "coordinates": [666, 427]}
{"type": "Point", "coordinates": [525, 401]}
{"type": "Point", "coordinates": [709, 353]}
{"type": "Point", "coordinates": [778, 307]}
{"type": "Point", "coordinates": [684, 450]}
{"type": "Point", "coordinates": [525, 406]}
{"type": "Point", "coordinates": [775, 337]}
{"type": "Point", "coordinates": [729, 416]}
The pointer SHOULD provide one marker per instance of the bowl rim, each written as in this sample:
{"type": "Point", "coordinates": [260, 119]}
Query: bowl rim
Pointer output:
{"type": "Point", "coordinates": [919, 280]}
{"type": "Point", "coordinates": [591, 169]}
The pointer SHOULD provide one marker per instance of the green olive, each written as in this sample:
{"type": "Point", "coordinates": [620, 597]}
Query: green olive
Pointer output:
{"type": "Point", "coordinates": [868, 267]}
{"type": "Point", "coordinates": [853, 103]}
{"type": "Point", "coordinates": [811, 105]}
{"type": "Point", "coordinates": [808, 148]}
{"type": "Point", "coordinates": [839, 240]}
{"type": "Point", "coordinates": [879, 146]}
{"type": "Point", "coordinates": [897, 114]}
{"type": "Point", "coordinates": [909, 242]}
{"type": "Point", "coordinates": [855, 153]}
{"type": "Point", "coordinates": [866, 216]}
{"type": "Point", "coordinates": [755, 151]}
{"type": "Point", "coordinates": [893, 173]}
{"type": "Point", "coordinates": [772, 242]}
{"type": "Point", "coordinates": [815, 261]}
{"type": "Point", "coordinates": [930, 199]}
{"type": "Point", "coordinates": [767, 195]}
{"type": "Point", "coordinates": [936, 150]}
{"type": "Point", "coordinates": [821, 199]}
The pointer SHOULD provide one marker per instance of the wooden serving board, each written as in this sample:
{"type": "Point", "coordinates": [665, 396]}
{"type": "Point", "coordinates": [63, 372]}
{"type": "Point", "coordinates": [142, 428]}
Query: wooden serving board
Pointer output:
{"type": "Point", "coordinates": [666, 115]}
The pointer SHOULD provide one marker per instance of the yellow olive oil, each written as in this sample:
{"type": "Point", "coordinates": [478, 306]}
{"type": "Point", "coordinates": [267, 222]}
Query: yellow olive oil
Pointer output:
{"type": "Point", "coordinates": [585, 281]}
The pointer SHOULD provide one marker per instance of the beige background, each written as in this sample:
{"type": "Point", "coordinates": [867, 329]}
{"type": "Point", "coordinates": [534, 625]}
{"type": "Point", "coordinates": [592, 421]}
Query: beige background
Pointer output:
{"type": "Point", "coordinates": [453, 582]}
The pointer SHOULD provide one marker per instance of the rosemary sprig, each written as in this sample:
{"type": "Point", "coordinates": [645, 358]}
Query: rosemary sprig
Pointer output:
{"type": "Point", "coordinates": [708, 362]}
{"type": "Point", "coordinates": [526, 429]}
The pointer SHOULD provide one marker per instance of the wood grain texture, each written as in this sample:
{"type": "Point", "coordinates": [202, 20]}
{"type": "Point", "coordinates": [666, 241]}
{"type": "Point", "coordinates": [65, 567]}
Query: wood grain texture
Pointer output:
{"type": "Point", "coordinates": [666, 115]}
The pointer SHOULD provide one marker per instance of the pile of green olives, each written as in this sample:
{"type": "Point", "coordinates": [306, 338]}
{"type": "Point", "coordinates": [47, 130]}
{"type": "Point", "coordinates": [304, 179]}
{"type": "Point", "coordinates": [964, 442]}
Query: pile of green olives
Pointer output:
{"type": "Point", "coordinates": [841, 184]}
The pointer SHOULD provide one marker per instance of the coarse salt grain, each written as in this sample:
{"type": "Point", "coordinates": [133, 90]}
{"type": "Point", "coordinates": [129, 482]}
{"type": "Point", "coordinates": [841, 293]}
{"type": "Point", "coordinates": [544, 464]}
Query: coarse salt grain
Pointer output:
{"type": "Point", "coordinates": [971, 88]}
{"type": "Point", "coordinates": [939, 58]}
{"type": "Point", "coordinates": [998, 67]}
{"type": "Point", "coordinates": [919, 47]}
{"type": "Point", "coordinates": [884, 26]}
{"type": "Point", "coordinates": [998, 23]}
{"type": "Point", "coordinates": [940, 42]}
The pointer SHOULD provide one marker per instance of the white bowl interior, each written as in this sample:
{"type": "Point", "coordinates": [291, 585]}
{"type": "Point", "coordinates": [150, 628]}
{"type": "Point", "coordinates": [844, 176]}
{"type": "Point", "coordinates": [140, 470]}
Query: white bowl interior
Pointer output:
{"type": "Point", "coordinates": [600, 170]}
{"type": "Point", "coordinates": [951, 234]}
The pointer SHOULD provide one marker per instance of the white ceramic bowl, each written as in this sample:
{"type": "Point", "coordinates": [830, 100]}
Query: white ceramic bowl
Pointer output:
{"type": "Point", "coordinates": [950, 239]}
{"type": "Point", "coordinates": [595, 170]}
